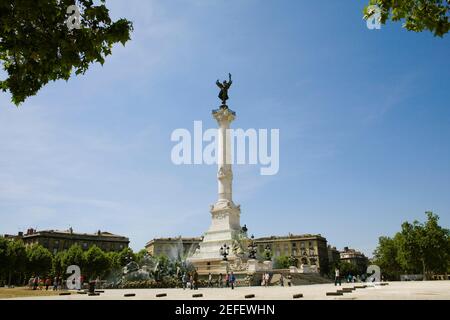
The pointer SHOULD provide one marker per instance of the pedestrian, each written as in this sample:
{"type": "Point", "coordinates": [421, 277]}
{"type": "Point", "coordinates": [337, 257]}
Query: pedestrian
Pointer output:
{"type": "Point", "coordinates": [191, 281]}
{"type": "Point", "coordinates": [184, 280]}
{"type": "Point", "coordinates": [55, 283]}
{"type": "Point", "coordinates": [232, 280]}
{"type": "Point", "coordinates": [337, 278]}
{"type": "Point", "coordinates": [60, 283]}
{"type": "Point", "coordinates": [281, 280]}
{"type": "Point", "coordinates": [210, 280]}
{"type": "Point", "coordinates": [289, 280]}
{"type": "Point", "coordinates": [266, 279]}
{"type": "Point", "coordinates": [227, 280]}
{"type": "Point", "coordinates": [263, 282]}
{"type": "Point", "coordinates": [195, 280]}
{"type": "Point", "coordinates": [48, 282]}
{"type": "Point", "coordinates": [220, 280]}
{"type": "Point", "coordinates": [40, 283]}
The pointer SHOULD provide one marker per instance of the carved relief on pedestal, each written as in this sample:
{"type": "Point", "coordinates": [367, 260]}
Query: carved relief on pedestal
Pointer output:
{"type": "Point", "coordinates": [224, 205]}
{"type": "Point", "coordinates": [219, 215]}
{"type": "Point", "coordinates": [238, 265]}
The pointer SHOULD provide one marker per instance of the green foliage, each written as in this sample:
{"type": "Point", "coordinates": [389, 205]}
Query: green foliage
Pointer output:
{"type": "Point", "coordinates": [97, 262]}
{"type": "Point", "coordinates": [114, 260]}
{"type": "Point", "coordinates": [57, 264]}
{"type": "Point", "coordinates": [281, 262]}
{"type": "Point", "coordinates": [347, 268]}
{"type": "Point", "coordinates": [385, 256]}
{"type": "Point", "coordinates": [418, 15]}
{"type": "Point", "coordinates": [37, 47]}
{"type": "Point", "coordinates": [74, 256]}
{"type": "Point", "coordinates": [140, 255]}
{"type": "Point", "coordinates": [39, 260]}
{"type": "Point", "coordinates": [418, 248]}
{"type": "Point", "coordinates": [125, 256]}
{"type": "Point", "coordinates": [18, 263]}
{"type": "Point", "coordinates": [3, 254]}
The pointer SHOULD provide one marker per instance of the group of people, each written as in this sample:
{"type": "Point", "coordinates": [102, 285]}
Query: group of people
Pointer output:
{"type": "Point", "coordinates": [349, 278]}
{"type": "Point", "coordinates": [265, 279]}
{"type": "Point", "coordinates": [229, 279]}
{"type": "Point", "coordinates": [38, 283]}
{"type": "Point", "coordinates": [190, 280]}
{"type": "Point", "coordinates": [288, 280]}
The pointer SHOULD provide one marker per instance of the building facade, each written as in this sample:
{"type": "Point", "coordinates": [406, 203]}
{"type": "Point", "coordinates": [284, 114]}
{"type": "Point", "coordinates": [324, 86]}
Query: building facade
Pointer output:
{"type": "Point", "coordinates": [334, 256]}
{"type": "Point", "coordinates": [56, 241]}
{"type": "Point", "coordinates": [173, 247]}
{"type": "Point", "coordinates": [308, 249]}
{"type": "Point", "coordinates": [355, 258]}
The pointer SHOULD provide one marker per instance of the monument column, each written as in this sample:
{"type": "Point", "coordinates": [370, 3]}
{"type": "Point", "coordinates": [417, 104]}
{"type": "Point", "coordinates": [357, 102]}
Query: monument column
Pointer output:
{"type": "Point", "coordinates": [225, 224]}
{"type": "Point", "coordinates": [224, 117]}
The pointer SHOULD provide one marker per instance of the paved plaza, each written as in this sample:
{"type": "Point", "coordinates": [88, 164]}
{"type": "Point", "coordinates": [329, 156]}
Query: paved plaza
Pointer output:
{"type": "Point", "coordinates": [423, 290]}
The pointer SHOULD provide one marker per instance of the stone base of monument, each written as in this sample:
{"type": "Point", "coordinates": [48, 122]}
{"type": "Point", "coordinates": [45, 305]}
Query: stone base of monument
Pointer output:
{"type": "Point", "coordinates": [213, 266]}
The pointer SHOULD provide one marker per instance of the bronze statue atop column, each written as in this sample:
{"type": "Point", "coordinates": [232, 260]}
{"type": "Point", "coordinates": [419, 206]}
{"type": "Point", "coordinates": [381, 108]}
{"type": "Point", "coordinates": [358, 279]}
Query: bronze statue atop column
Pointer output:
{"type": "Point", "coordinates": [224, 86]}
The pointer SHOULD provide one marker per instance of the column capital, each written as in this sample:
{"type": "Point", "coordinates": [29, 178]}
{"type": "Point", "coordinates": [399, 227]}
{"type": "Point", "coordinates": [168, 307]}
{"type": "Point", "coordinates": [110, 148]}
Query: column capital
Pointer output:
{"type": "Point", "coordinates": [223, 114]}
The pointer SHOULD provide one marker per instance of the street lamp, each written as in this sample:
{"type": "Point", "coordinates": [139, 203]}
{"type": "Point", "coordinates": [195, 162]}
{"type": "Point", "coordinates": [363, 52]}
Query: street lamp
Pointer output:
{"type": "Point", "coordinates": [268, 252]}
{"type": "Point", "coordinates": [224, 251]}
{"type": "Point", "coordinates": [252, 248]}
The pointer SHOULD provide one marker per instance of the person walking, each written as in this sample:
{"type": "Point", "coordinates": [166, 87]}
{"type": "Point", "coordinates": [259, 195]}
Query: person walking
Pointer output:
{"type": "Point", "coordinates": [266, 279]}
{"type": "Point", "coordinates": [289, 280]}
{"type": "Point", "coordinates": [337, 278]}
{"type": "Point", "coordinates": [48, 282]}
{"type": "Point", "coordinates": [232, 280]}
{"type": "Point", "coordinates": [55, 283]}
{"type": "Point", "coordinates": [227, 280]}
{"type": "Point", "coordinates": [281, 280]}
{"type": "Point", "coordinates": [210, 280]}
{"type": "Point", "coordinates": [195, 280]}
{"type": "Point", "coordinates": [35, 282]}
{"type": "Point", "coordinates": [184, 280]}
{"type": "Point", "coordinates": [220, 284]}
{"type": "Point", "coordinates": [191, 281]}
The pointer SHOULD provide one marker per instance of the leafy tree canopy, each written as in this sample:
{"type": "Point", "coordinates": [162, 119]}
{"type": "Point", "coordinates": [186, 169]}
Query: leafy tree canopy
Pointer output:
{"type": "Point", "coordinates": [36, 45]}
{"type": "Point", "coordinates": [282, 262]}
{"type": "Point", "coordinates": [417, 248]}
{"type": "Point", "coordinates": [39, 259]}
{"type": "Point", "coordinates": [97, 262]}
{"type": "Point", "coordinates": [418, 15]}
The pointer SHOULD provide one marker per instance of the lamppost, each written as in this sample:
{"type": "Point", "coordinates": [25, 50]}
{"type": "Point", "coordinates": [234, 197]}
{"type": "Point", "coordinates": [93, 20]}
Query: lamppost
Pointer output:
{"type": "Point", "coordinates": [252, 248]}
{"type": "Point", "coordinates": [268, 253]}
{"type": "Point", "coordinates": [224, 251]}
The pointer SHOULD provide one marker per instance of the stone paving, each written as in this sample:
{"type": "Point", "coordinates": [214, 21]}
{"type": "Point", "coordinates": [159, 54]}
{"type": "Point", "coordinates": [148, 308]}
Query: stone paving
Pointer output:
{"type": "Point", "coordinates": [428, 290]}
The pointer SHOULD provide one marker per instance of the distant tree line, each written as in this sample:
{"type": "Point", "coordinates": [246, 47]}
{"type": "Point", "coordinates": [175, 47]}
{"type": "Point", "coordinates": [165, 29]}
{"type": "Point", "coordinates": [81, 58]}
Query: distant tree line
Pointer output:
{"type": "Point", "coordinates": [419, 248]}
{"type": "Point", "coordinates": [19, 262]}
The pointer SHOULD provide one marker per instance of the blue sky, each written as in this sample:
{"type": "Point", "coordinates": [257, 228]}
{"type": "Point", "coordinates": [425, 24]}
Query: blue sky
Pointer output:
{"type": "Point", "coordinates": [363, 114]}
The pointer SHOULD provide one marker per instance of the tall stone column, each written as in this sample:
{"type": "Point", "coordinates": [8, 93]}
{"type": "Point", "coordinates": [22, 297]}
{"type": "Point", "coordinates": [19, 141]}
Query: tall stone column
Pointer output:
{"type": "Point", "coordinates": [225, 215]}
{"type": "Point", "coordinates": [224, 118]}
